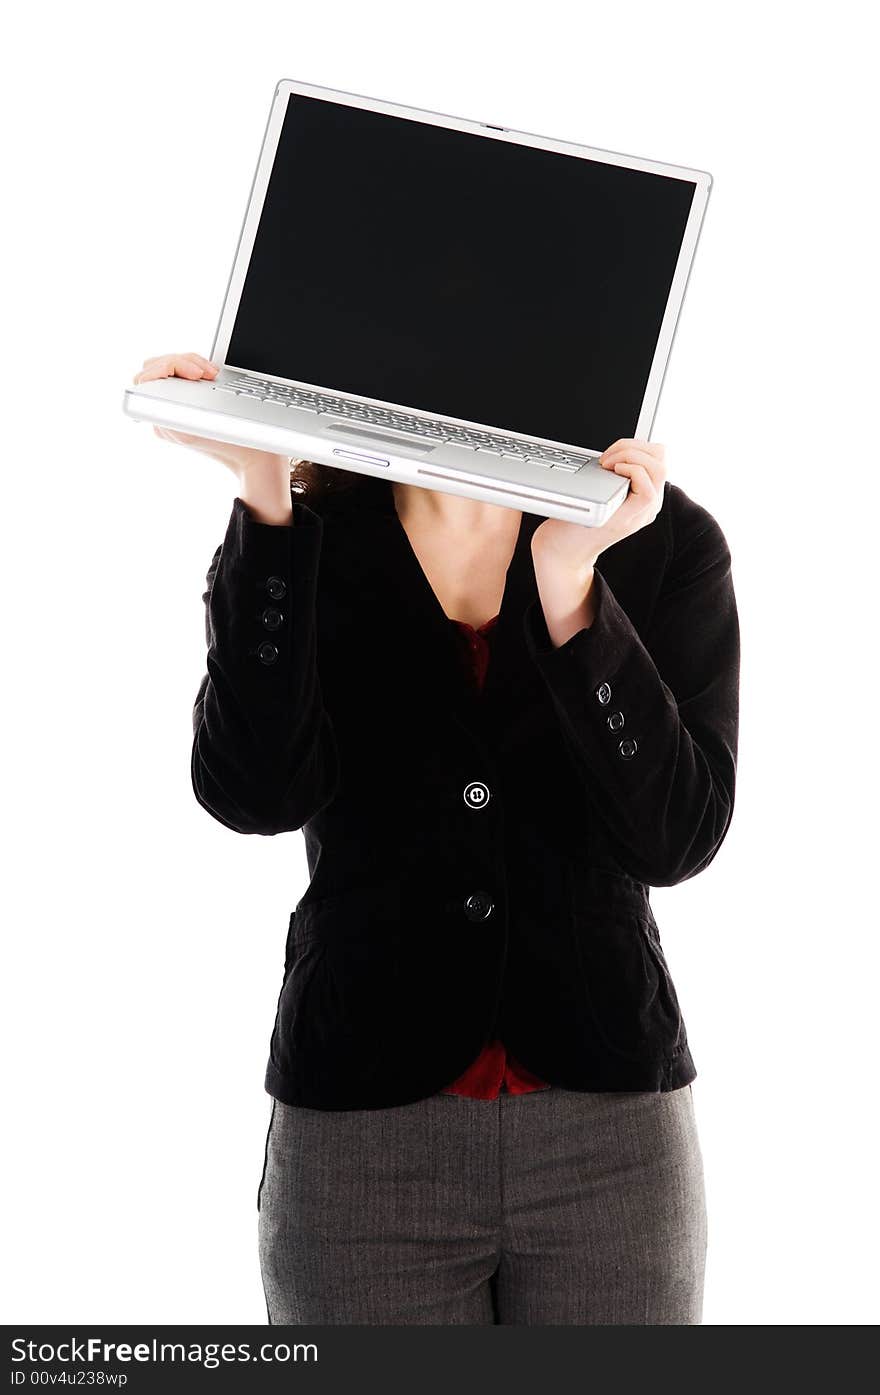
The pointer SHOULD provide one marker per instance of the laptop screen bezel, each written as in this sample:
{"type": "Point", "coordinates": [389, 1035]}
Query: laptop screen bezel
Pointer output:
{"type": "Point", "coordinates": [288, 87]}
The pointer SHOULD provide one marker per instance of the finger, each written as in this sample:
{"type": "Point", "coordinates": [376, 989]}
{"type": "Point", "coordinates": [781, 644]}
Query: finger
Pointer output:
{"type": "Point", "coordinates": [626, 453]}
{"type": "Point", "coordinates": [173, 358]}
{"type": "Point", "coordinates": [171, 366]}
{"type": "Point", "coordinates": [641, 482]}
{"type": "Point", "coordinates": [654, 448]}
{"type": "Point", "coordinates": [152, 374]}
{"type": "Point", "coordinates": [174, 363]}
{"type": "Point", "coordinates": [656, 468]}
{"type": "Point", "coordinates": [185, 366]}
{"type": "Point", "coordinates": [163, 358]}
{"type": "Point", "coordinates": [205, 364]}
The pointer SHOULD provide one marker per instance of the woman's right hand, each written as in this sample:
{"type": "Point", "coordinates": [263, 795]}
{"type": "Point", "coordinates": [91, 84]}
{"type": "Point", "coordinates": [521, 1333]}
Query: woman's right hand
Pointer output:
{"type": "Point", "coordinates": [263, 471]}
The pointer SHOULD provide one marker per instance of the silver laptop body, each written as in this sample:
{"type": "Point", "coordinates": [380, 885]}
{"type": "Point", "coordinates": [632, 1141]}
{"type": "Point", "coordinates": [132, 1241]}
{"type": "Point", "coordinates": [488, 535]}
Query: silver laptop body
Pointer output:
{"type": "Point", "coordinates": [445, 302]}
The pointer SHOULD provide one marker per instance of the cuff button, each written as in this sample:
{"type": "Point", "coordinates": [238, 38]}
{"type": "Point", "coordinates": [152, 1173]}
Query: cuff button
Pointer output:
{"type": "Point", "coordinates": [272, 618]}
{"type": "Point", "coordinates": [615, 721]}
{"type": "Point", "coordinates": [276, 587]}
{"type": "Point", "coordinates": [627, 749]}
{"type": "Point", "coordinates": [603, 693]}
{"type": "Point", "coordinates": [267, 652]}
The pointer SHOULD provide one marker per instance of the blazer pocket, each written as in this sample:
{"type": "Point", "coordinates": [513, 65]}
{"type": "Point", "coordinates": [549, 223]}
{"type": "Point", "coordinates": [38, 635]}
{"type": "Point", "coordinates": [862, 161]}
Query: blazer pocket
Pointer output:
{"type": "Point", "coordinates": [296, 1001]}
{"type": "Point", "coordinates": [626, 985]}
{"type": "Point", "coordinates": [362, 913]}
{"type": "Point", "coordinates": [341, 983]}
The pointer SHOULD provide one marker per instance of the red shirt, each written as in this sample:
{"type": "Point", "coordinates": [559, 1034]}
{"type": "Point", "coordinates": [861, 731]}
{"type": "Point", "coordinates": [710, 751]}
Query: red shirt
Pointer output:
{"type": "Point", "coordinates": [494, 1069]}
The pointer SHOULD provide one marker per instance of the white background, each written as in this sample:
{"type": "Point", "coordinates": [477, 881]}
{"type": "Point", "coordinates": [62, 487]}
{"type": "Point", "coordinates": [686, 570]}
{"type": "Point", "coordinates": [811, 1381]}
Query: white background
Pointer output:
{"type": "Point", "coordinates": [143, 942]}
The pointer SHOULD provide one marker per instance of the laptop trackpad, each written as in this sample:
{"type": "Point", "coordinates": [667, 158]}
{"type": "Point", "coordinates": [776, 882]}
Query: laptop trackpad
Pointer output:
{"type": "Point", "coordinates": [370, 433]}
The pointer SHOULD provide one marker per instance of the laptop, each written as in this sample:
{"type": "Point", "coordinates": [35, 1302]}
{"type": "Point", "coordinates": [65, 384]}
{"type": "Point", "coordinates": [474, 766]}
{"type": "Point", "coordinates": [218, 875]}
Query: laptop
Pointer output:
{"type": "Point", "coordinates": [445, 302]}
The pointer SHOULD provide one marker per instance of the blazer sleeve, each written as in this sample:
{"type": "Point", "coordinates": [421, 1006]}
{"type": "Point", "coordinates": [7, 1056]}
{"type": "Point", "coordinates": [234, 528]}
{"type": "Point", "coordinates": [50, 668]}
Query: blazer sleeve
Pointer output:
{"type": "Point", "coordinates": [264, 756]}
{"type": "Point", "coordinates": [662, 782]}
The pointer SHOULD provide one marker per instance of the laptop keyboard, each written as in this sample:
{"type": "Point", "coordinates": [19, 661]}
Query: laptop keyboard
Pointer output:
{"type": "Point", "coordinates": [554, 457]}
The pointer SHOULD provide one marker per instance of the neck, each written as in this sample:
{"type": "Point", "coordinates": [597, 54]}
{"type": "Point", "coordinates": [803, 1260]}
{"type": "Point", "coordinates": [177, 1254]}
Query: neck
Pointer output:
{"type": "Point", "coordinates": [436, 510]}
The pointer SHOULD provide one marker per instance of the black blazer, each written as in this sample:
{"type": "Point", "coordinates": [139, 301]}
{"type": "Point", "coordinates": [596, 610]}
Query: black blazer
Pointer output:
{"type": "Point", "coordinates": [480, 863]}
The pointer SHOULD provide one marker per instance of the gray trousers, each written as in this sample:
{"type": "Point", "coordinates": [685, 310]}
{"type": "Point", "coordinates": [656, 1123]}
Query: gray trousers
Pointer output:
{"type": "Point", "coordinates": [548, 1208]}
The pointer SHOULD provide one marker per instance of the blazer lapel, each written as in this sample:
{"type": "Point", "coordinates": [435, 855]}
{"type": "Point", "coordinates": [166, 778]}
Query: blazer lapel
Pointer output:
{"type": "Point", "coordinates": [383, 575]}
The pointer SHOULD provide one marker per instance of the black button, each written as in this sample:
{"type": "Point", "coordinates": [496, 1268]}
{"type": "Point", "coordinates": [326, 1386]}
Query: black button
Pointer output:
{"type": "Point", "coordinates": [603, 693]}
{"type": "Point", "coordinates": [476, 795]}
{"type": "Point", "coordinates": [479, 906]}
{"type": "Point", "coordinates": [276, 587]}
{"type": "Point", "coordinates": [267, 652]}
{"type": "Point", "coordinates": [627, 749]}
{"type": "Point", "coordinates": [615, 721]}
{"type": "Point", "coordinates": [272, 618]}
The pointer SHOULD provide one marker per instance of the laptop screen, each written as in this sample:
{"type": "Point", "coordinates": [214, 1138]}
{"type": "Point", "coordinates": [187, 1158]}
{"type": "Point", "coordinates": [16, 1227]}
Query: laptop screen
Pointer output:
{"type": "Point", "coordinates": [477, 278]}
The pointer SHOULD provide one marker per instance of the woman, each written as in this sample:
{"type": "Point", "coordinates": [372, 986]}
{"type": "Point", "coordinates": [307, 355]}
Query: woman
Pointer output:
{"type": "Point", "coordinates": [479, 1070]}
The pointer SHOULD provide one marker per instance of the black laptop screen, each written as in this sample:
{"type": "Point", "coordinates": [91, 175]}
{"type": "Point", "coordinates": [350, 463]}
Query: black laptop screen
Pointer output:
{"type": "Point", "coordinates": [471, 277]}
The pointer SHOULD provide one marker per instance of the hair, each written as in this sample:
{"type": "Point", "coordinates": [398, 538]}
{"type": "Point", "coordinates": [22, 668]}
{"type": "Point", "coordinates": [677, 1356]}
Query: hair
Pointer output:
{"type": "Point", "coordinates": [315, 481]}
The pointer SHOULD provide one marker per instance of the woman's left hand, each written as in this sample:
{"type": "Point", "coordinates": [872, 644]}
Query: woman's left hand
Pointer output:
{"type": "Point", "coordinates": [559, 544]}
{"type": "Point", "coordinates": [563, 553]}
